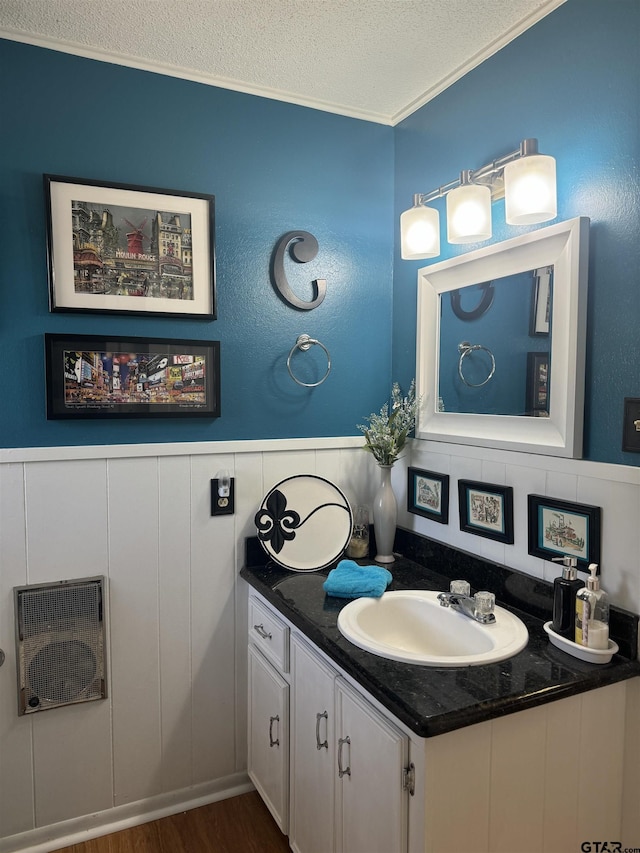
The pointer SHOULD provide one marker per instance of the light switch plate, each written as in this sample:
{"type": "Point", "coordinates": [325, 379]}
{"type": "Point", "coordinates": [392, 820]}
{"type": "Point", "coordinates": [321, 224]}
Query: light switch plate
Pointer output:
{"type": "Point", "coordinates": [631, 425]}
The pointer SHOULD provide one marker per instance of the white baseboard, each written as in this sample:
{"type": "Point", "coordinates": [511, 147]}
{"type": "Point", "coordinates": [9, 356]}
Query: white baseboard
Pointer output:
{"type": "Point", "coordinates": [75, 831]}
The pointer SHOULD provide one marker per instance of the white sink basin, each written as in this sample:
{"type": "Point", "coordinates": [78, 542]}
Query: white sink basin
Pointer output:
{"type": "Point", "coordinates": [412, 626]}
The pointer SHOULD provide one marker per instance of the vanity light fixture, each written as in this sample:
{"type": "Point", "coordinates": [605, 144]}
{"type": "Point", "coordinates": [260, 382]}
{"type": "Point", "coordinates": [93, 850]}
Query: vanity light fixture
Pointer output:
{"type": "Point", "coordinates": [419, 232]}
{"type": "Point", "coordinates": [469, 211]}
{"type": "Point", "coordinates": [526, 180]}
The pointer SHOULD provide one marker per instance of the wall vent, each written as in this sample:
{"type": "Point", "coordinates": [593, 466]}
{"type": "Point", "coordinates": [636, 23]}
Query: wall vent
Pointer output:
{"type": "Point", "coordinates": [60, 644]}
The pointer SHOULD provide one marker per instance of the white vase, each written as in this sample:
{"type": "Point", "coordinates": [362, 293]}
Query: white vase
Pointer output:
{"type": "Point", "coordinates": [385, 517]}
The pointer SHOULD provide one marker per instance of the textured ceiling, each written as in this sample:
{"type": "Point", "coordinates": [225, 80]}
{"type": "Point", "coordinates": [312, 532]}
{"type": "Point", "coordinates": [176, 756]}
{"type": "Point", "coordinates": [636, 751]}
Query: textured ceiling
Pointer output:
{"type": "Point", "coordinates": [373, 59]}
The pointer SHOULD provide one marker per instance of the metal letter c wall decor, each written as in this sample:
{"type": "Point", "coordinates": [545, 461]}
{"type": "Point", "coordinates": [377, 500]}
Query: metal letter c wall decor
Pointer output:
{"type": "Point", "coordinates": [304, 249]}
{"type": "Point", "coordinates": [482, 306]}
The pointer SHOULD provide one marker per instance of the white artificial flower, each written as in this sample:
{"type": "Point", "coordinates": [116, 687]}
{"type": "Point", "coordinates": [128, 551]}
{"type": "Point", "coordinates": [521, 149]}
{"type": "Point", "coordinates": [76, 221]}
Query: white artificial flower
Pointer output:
{"type": "Point", "coordinates": [386, 433]}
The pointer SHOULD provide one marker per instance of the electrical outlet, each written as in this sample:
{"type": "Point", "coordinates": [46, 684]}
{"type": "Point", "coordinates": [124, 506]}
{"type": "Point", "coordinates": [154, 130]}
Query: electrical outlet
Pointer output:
{"type": "Point", "coordinates": [631, 425]}
{"type": "Point", "coordinates": [222, 504]}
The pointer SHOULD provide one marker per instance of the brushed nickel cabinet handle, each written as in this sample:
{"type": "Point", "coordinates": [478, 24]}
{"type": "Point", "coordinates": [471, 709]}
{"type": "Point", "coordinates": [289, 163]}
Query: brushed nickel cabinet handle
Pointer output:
{"type": "Point", "coordinates": [347, 770]}
{"type": "Point", "coordinates": [260, 629]}
{"type": "Point", "coordinates": [273, 720]}
{"type": "Point", "coordinates": [325, 743]}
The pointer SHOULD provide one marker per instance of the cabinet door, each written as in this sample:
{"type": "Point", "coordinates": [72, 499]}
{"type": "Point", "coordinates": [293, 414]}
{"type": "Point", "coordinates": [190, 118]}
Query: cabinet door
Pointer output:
{"type": "Point", "coordinates": [371, 805]}
{"type": "Point", "coordinates": [312, 751]}
{"type": "Point", "coordinates": [268, 757]}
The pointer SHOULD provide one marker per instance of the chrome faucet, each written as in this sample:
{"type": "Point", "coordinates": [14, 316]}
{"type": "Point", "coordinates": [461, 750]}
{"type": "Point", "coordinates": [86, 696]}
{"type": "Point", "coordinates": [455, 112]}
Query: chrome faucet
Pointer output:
{"type": "Point", "coordinates": [479, 608]}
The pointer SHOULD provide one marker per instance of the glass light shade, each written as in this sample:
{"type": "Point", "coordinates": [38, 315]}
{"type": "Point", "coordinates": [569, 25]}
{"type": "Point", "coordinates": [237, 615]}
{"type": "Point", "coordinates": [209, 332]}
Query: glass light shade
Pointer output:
{"type": "Point", "coordinates": [419, 233]}
{"type": "Point", "coordinates": [530, 190]}
{"type": "Point", "coordinates": [469, 214]}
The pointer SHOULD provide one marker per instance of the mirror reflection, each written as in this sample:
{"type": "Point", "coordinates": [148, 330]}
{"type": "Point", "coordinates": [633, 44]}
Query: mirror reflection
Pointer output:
{"type": "Point", "coordinates": [495, 346]}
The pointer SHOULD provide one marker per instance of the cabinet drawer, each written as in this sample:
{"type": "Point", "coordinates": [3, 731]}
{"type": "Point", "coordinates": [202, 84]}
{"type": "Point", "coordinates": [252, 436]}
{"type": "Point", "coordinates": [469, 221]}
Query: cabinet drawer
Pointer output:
{"type": "Point", "coordinates": [269, 634]}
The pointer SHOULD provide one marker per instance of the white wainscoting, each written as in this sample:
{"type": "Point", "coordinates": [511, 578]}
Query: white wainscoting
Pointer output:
{"type": "Point", "coordinates": [615, 488]}
{"type": "Point", "coordinates": [172, 733]}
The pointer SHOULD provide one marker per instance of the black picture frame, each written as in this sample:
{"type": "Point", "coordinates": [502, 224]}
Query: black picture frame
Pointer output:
{"type": "Point", "coordinates": [558, 527]}
{"type": "Point", "coordinates": [486, 509]}
{"type": "Point", "coordinates": [537, 384]}
{"type": "Point", "coordinates": [428, 494]}
{"type": "Point", "coordinates": [631, 432]}
{"type": "Point", "coordinates": [92, 376]}
{"type": "Point", "coordinates": [541, 302]}
{"type": "Point", "coordinates": [127, 249]}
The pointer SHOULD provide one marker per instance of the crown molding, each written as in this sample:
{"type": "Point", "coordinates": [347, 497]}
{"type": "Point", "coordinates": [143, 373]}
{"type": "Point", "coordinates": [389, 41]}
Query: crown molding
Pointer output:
{"type": "Point", "coordinates": [191, 75]}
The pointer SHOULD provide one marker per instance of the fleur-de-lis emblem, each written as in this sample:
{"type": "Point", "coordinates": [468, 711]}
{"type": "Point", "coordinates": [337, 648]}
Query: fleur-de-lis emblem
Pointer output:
{"type": "Point", "coordinates": [275, 523]}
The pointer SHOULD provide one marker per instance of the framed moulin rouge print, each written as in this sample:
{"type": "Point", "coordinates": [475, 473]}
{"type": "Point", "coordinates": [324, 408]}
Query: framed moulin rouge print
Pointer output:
{"type": "Point", "coordinates": [541, 300]}
{"type": "Point", "coordinates": [129, 250]}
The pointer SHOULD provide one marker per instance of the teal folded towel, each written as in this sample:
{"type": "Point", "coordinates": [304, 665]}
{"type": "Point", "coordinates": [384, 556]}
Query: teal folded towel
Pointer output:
{"type": "Point", "coordinates": [349, 580]}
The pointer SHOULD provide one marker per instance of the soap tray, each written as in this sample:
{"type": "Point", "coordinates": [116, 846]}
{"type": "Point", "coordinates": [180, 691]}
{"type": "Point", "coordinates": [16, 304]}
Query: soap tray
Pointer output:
{"type": "Point", "coordinates": [578, 651]}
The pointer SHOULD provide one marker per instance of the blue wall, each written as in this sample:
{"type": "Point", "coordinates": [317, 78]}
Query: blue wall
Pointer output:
{"type": "Point", "coordinates": [572, 81]}
{"type": "Point", "coordinates": [273, 168]}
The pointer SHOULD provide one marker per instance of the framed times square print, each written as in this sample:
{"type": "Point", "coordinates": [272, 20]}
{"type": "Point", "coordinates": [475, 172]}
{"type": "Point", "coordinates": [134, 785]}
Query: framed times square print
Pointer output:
{"type": "Point", "coordinates": [89, 376]}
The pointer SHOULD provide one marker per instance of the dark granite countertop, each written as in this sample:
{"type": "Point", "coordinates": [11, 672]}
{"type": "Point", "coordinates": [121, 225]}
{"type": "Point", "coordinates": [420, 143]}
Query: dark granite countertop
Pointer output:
{"type": "Point", "coordinates": [431, 700]}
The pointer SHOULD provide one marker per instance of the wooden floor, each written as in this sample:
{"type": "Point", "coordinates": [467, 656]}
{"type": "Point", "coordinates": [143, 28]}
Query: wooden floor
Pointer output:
{"type": "Point", "coordinates": [237, 825]}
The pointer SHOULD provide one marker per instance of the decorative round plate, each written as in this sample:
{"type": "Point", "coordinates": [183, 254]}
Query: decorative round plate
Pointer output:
{"type": "Point", "coordinates": [304, 523]}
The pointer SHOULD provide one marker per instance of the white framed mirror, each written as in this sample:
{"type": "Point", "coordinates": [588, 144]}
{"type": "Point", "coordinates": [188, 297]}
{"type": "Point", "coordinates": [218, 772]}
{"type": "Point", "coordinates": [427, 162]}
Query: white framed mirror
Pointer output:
{"type": "Point", "coordinates": [515, 379]}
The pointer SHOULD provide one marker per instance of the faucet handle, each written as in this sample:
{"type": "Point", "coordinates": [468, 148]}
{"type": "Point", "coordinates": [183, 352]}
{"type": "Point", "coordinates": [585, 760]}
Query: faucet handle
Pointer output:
{"type": "Point", "coordinates": [485, 602]}
{"type": "Point", "coordinates": [460, 587]}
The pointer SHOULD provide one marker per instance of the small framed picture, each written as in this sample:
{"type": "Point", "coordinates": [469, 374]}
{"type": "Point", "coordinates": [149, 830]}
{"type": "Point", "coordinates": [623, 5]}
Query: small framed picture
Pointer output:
{"type": "Point", "coordinates": [486, 510]}
{"type": "Point", "coordinates": [428, 495]}
{"type": "Point", "coordinates": [559, 527]}
{"type": "Point", "coordinates": [89, 376]}
{"type": "Point", "coordinates": [541, 301]}
{"type": "Point", "coordinates": [129, 250]}
{"type": "Point", "coordinates": [537, 385]}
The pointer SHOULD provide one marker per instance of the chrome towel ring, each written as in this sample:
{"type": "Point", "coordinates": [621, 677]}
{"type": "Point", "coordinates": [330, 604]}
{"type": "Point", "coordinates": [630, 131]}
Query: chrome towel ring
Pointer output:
{"type": "Point", "coordinates": [464, 349]}
{"type": "Point", "coordinates": [304, 343]}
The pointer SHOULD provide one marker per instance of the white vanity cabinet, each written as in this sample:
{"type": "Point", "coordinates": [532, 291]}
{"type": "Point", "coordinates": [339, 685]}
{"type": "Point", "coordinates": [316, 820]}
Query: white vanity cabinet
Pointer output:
{"type": "Point", "coordinates": [371, 796]}
{"type": "Point", "coordinates": [347, 763]}
{"type": "Point", "coordinates": [268, 747]}
{"type": "Point", "coordinates": [313, 751]}
{"type": "Point", "coordinates": [347, 760]}
{"type": "Point", "coordinates": [268, 753]}
{"type": "Point", "coordinates": [543, 779]}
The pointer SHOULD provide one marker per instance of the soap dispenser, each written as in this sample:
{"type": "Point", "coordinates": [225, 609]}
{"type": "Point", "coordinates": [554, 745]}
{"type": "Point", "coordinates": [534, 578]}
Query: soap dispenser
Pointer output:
{"type": "Point", "coordinates": [565, 589]}
{"type": "Point", "coordinates": [592, 613]}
